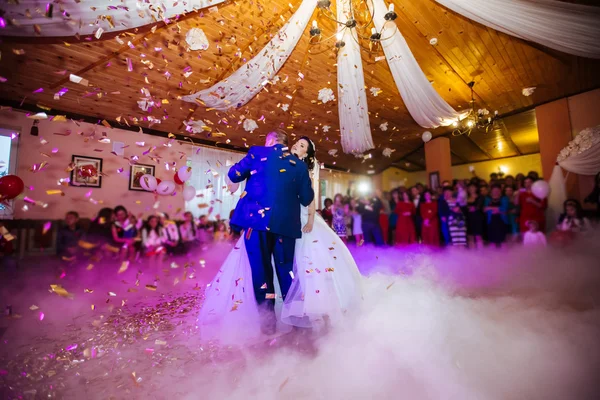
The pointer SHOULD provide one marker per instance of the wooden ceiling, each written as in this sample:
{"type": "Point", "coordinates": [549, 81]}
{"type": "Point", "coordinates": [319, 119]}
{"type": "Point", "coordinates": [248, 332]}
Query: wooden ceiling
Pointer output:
{"type": "Point", "coordinates": [500, 65]}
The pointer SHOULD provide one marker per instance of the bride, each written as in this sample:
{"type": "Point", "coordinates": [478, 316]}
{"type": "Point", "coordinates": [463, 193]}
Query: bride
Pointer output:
{"type": "Point", "coordinates": [326, 281]}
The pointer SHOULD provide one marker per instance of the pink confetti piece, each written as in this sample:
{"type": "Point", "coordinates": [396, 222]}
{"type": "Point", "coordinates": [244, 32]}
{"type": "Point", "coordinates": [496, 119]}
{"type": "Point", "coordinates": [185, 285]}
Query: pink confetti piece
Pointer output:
{"type": "Point", "coordinates": [88, 194]}
{"type": "Point", "coordinates": [47, 227]}
{"type": "Point", "coordinates": [55, 150]}
{"type": "Point", "coordinates": [41, 316]}
{"type": "Point", "coordinates": [40, 90]}
{"type": "Point", "coordinates": [71, 347]}
{"type": "Point", "coordinates": [3, 79]}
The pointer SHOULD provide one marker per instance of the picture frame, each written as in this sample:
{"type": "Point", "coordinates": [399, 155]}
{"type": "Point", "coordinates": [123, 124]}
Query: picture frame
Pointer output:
{"type": "Point", "coordinates": [434, 180]}
{"type": "Point", "coordinates": [86, 172]}
{"type": "Point", "coordinates": [136, 172]}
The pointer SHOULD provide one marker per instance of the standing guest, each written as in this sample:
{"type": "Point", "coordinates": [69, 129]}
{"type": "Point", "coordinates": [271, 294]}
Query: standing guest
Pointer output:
{"type": "Point", "coordinates": [152, 240]}
{"type": "Point", "coordinates": [430, 230]}
{"type": "Point", "coordinates": [533, 237]}
{"type": "Point", "coordinates": [512, 213]}
{"type": "Point", "coordinates": [461, 193]}
{"type": "Point", "coordinates": [124, 234]}
{"type": "Point", "coordinates": [69, 235]}
{"type": "Point", "coordinates": [532, 208]}
{"type": "Point", "coordinates": [533, 175]}
{"type": "Point", "coordinates": [357, 230]}
{"type": "Point", "coordinates": [338, 210]}
{"type": "Point", "coordinates": [326, 213]}
{"type": "Point", "coordinates": [418, 221]}
{"type": "Point", "coordinates": [188, 231]}
{"type": "Point", "coordinates": [509, 180]}
{"type": "Point", "coordinates": [395, 194]}
{"type": "Point", "coordinates": [170, 233]}
{"type": "Point", "coordinates": [369, 210]}
{"type": "Point", "coordinates": [457, 224]}
{"type": "Point", "coordinates": [384, 215]}
{"type": "Point", "coordinates": [496, 207]}
{"type": "Point", "coordinates": [572, 219]}
{"type": "Point", "coordinates": [405, 228]}
{"type": "Point", "coordinates": [594, 196]}
{"type": "Point", "coordinates": [520, 182]}
{"type": "Point", "coordinates": [475, 217]}
{"type": "Point", "coordinates": [445, 204]}
{"type": "Point", "coordinates": [221, 234]}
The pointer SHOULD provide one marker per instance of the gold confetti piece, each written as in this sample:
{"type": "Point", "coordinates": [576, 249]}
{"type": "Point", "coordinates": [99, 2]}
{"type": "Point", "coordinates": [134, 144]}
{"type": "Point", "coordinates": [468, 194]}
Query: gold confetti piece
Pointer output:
{"type": "Point", "coordinates": [90, 267]}
{"type": "Point", "coordinates": [86, 245]}
{"type": "Point", "coordinates": [106, 124]}
{"type": "Point", "coordinates": [132, 290]}
{"type": "Point", "coordinates": [282, 170]}
{"type": "Point", "coordinates": [59, 290]}
{"type": "Point", "coordinates": [93, 307]}
{"type": "Point", "coordinates": [160, 342]}
{"type": "Point", "coordinates": [270, 296]}
{"type": "Point", "coordinates": [33, 307]}
{"type": "Point", "coordinates": [51, 192]}
{"type": "Point", "coordinates": [124, 266]}
{"type": "Point", "coordinates": [150, 287]}
{"type": "Point", "coordinates": [284, 383]}
{"type": "Point", "coordinates": [390, 285]}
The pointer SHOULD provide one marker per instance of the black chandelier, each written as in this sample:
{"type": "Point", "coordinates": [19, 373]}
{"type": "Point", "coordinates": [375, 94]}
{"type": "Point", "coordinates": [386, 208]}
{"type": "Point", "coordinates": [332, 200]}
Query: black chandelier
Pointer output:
{"type": "Point", "coordinates": [362, 29]}
{"type": "Point", "coordinates": [479, 120]}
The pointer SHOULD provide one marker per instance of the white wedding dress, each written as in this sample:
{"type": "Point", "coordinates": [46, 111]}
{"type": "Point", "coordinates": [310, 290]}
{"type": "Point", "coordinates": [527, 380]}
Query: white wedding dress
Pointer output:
{"type": "Point", "coordinates": [326, 284]}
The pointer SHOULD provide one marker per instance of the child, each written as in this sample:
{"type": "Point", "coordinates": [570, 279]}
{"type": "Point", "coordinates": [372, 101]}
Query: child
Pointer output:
{"type": "Point", "coordinates": [188, 231]}
{"type": "Point", "coordinates": [533, 237]}
{"type": "Point", "coordinates": [69, 236]}
{"type": "Point", "coordinates": [205, 230]}
{"type": "Point", "coordinates": [457, 225]}
{"type": "Point", "coordinates": [170, 234]}
{"type": "Point", "coordinates": [221, 235]}
{"type": "Point", "coordinates": [124, 234]}
{"type": "Point", "coordinates": [152, 240]}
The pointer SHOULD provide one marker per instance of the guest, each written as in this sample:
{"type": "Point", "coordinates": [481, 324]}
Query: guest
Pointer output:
{"type": "Point", "coordinates": [221, 234]}
{"type": "Point", "coordinates": [205, 232]}
{"type": "Point", "coordinates": [512, 213]}
{"type": "Point", "coordinates": [445, 204]}
{"type": "Point", "coordinates": [457, 224]}
{"type": "Point", "coordinates": [496, 207]}
{"type": "Point", "coordinates": [152, 240]}
{"type": "Point", "coordinates": [395, 199]}
{"type": "Point", "coordinates": [338, 210]}
{"type": "Point", "coordinates": [520, 182]}
{"type": "Point", "coordinates": [461, 193]}
{"type": "Point", "coordinates": [124, 234]}
{"type": "Point", "coordinates": [405, 228]}
{"type": "Point", "coordinates": [100, 231]}
{"type": "Point", "coordinates": [369, 210]}
{"type": "Point", "coordinates": [533, 237]}
{"type": "Point", "coordinates": [475, 217]}
{"type": "Point", "coordinates": [572, 219]}
{"type": "Point", "coordinates": [430, 229]}
{"type": "Point", "coordinates": [326, 212]}
{"type": "Point", "coordinates": [170, 233]}
{"type": "Point", "coordinates": [417, 219]}
{"type": "Point", "coordinates": [532, 208]}
{"type": "Point", "coordinates": [68, 236]}
{"type": "Point", "coordinates": [384, 215]}
{"type": "Point", "coordinates": [234, 231]}
{"type": "Point", "coordinates": [357, 230]}
{"type": "Point", "coordinates": [187, 232]}
{"type": "Point", "coordinates": [594, 196]}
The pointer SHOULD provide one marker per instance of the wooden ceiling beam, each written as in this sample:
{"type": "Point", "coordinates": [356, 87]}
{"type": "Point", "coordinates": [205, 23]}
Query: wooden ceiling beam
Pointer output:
{"type": "Point", "coordinates": [506, 135]}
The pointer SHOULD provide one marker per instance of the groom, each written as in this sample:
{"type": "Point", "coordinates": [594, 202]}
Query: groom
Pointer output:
{"type": "Point", "coordinates": [277, 183]}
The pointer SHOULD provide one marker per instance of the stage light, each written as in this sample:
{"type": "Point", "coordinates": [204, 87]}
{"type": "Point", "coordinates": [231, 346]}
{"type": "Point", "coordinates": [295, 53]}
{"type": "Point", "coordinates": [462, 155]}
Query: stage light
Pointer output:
{"type": "Point", "coordinates": [364, 187]}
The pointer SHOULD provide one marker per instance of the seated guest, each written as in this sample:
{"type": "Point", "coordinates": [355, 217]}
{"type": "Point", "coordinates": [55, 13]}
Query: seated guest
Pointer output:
{"type": "Point", "coordinates": [326, 212]}
{"type": "Point", "coordinates": [188, 231]}
{"type": "Point", "coordinates": [572, 219]}
{"type": "Point", "coordinates": [369, 210]}
{"type": "Point", "coordinates": [430, 229]}
{"type": "Point", "coordinates": [152, 239]}
{"type": "Point", "coordinates": [124, 234]}
{"type": "Point", "coordinates": [100, 231]}
{"type": "Point", "coordinates": [496, 208]}
{"type": "Point", "coordinates": [405, 227]}
{"type": "Point", "coordinates": [205, 231]}
{"type": "Point", "coordinates": [68, 236]}
{"type": "Point", "coordinates": [457, 225]}
{"type": "Point", "coordinates": [170, 234]}
{"type": "Point", "coordinates": [533, 237]}
{"type": "Point", "coordinates": [221, 235]}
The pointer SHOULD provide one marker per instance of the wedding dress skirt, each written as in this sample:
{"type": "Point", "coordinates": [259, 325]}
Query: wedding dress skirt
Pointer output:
{"type": "Point", "coordinates": [326, 284]}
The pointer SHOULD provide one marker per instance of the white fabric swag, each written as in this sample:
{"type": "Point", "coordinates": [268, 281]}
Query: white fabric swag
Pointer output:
{"type": "Point", "coordinates": [245, 83]}
{"type": "Point", "coordinates": [77, 17]}
{"type": "Point", "coordinates": [567, 27]}
{"type": "Point", "coordinates": [582, 157]}
{"type": "Point", "coordinates": [355, 129]}
{"type": "Point", "coordinates": [209, 171]}
{"type": "Point", "coordinates": [425, 105]}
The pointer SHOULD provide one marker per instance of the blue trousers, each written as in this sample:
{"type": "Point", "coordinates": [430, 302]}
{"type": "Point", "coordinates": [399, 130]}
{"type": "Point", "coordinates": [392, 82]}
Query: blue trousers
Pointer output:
{"type": "Point", "coordinates": [262, 246]}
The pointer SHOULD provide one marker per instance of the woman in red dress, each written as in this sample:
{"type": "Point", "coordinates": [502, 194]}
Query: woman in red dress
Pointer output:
{"type": "Point", "coordinates": [405, 227]}
{"type": "Point", "coordinates": [430, 230]}
{"type": "Point", "coordinates": [532, 208]}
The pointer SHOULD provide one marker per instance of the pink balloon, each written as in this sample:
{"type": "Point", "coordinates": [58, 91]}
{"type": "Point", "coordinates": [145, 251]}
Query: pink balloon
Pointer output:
{"type": "Point", "coordinates": [165, 188]}
{"type": "Point", "coordinates": [189, 192]}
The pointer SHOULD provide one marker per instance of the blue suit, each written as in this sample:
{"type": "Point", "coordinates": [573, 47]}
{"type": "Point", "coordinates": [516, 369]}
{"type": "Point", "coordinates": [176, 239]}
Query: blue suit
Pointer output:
{"type": "Point", "coordinates": [277, 184]}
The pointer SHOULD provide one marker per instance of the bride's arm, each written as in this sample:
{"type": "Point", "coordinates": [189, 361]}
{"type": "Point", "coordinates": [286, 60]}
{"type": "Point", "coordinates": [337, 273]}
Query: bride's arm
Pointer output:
{"type": "Point", "coordinates": [311, 215]}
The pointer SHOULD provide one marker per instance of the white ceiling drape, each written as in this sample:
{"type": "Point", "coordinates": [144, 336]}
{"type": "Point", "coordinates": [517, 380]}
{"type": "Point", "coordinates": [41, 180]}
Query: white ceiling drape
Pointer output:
{"type": "Point", "coordinates": [355, 129]}
{"type": "Point", "coordinates": [85, 17]}
{"type": "Point", "coordinates": [567, 27]}
{"type": "Point", "coordinates": [425, 105]}
{"type": "Point", "coordinates": [245, 83]}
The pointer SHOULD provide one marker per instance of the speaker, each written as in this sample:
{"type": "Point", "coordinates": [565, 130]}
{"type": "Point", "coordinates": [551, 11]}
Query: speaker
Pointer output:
{"type": "Point", "coordinates": [34, 129]}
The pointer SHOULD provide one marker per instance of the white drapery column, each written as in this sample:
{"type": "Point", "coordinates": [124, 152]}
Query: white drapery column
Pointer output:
{"type": "Point", "coordinates": [209, 169]}
{"type": "Point", "coordinates": [567, 27]}
{"type": "Point", "coordinates": [76, 17]}
{"type": "Point", "coordinates": [245, 83]}
{"type": "Point", "coordinates": [424, 104]}
{"type": "Point", "coordinates": [355, 129]}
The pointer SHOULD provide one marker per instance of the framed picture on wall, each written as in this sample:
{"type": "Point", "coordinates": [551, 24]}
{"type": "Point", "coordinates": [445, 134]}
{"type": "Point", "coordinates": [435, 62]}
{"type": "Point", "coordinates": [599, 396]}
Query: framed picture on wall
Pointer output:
{"type": "Point", "coordinates": [86, 172]}
{"type": "Point", "coordinates": [135, 174]}
{"type": "Point", "coordinates": [434, 180]}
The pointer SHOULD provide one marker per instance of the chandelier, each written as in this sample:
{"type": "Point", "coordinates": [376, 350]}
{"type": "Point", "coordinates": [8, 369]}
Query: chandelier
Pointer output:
{"type": "Point", "coordinates": [364, 27]}
{"type": "Point", "coordinates": [479, 120]}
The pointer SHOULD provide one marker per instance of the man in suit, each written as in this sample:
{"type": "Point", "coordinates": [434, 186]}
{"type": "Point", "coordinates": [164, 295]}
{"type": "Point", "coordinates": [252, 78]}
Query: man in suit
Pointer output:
{"type": "Point", "coordinates": [277, 183]}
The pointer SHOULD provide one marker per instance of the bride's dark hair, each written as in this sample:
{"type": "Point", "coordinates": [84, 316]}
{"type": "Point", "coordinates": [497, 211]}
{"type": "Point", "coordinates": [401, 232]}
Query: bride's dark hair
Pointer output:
{"type": "Point", "coordinates": [310, 153]}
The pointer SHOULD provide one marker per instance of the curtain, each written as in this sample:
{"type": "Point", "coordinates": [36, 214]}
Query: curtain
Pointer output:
{"type": "Point", "coordinates": [245, 83]}
{"type": "Point", "coordinates": [209, 169]}
{"type": "Point", "coordinates": [424, 104]}
{"type": "Point", "coordinates": [77, 17]}
{"type": "Point", "coordinates": [355, 129]}
{"type": "Point", "coordinates": [567, 27]}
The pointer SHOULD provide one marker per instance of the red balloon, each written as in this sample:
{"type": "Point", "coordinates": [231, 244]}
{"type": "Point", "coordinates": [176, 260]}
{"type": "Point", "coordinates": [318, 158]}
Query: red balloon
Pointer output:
{"type": "Point", "coordinates": [177, 180]}
{"type": "Point", "coordinates": [10, 187]}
